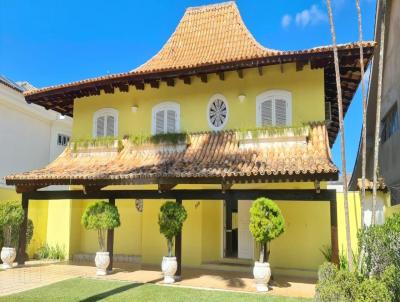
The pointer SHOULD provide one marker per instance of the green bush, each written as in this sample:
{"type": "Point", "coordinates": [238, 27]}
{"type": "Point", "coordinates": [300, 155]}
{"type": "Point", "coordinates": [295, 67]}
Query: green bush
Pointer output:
{"type": "Point", "coordinates": [101, 216]}
{"type": "Point", "coordinates": [11, 216]}
{"type": "Point", "coordinates": [391, 278]}
{"type": "Point", "coordinates": [266, 223]}
{"type": "Point", "coordinates": [15, 235]}
{"type": "Point", "coordinates": [56, 252]}
{"type": "Point", "coordinates": [171, 218]}
{"type": "Point", "coordinates": [339, 285]}
{"type": "Point", "coordinates": [372, 290]}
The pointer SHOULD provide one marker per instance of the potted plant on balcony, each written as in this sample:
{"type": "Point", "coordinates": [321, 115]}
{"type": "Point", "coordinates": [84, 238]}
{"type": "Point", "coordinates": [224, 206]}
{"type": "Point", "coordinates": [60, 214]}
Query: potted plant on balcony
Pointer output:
{"type": "Point", "coordinates": [11, 216]}
{"type": "Point", "coordinates": [266, 224]}
{"type": "Point", "coordinates": [101, 216]}
{"type": "Point", "coordinates": [171, 218]}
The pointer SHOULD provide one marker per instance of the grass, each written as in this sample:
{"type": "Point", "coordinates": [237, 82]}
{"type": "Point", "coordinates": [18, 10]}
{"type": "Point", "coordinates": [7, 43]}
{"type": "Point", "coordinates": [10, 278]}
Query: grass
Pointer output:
{"type": "Point", "coordinates": [86, 290]}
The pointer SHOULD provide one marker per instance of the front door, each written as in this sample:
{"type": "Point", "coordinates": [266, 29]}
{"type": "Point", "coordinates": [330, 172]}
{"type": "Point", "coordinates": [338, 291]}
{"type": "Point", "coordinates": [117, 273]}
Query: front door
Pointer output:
{"type": "Point", "coordinates": [245, 239]}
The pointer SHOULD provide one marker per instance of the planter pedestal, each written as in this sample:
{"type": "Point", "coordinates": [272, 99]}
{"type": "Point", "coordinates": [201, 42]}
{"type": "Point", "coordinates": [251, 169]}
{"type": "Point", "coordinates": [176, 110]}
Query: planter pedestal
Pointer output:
{"type": "Point", "coordinates": [8, 255]}
{"type": "Point", "coordinates": [169, 267]}
{"type": "Point", "coordinates": [262, 274]}
{"type": "Point", "coordinates": [102, 261]}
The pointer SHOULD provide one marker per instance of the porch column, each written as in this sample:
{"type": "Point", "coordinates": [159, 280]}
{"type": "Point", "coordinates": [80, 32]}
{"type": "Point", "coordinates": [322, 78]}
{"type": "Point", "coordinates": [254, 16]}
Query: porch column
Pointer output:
{"type": "Point", "coordinates": [110, 241]}
{"type": "Point", "coordinates": [334, 229]}
{"type": "Point", "coordinates": [178, 248]}
{"type": "Point", "coordinates": [22, 231]}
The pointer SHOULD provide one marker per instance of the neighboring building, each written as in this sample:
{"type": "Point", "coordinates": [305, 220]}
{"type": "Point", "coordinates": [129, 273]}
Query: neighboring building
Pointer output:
{"type": "Point", "coordinates": [389, 156]}
{"type": "Point", "coordinates": [31, 137]}
{"type": "Point", "coordinates": [209, 82]}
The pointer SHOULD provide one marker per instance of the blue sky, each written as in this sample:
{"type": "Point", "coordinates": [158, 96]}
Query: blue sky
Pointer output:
{"type": "Point", "coordinates": [49, 42]}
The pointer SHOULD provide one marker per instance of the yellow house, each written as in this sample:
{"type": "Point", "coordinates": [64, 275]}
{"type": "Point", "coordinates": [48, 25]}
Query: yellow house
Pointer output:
{"type": "Point", "coordinates": [213, 120]}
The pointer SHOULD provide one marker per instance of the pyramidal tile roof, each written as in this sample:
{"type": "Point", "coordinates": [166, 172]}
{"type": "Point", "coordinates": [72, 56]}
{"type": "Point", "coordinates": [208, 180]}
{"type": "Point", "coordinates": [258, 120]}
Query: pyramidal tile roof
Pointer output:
{"type": "Point", "coordinates": [209, 34]}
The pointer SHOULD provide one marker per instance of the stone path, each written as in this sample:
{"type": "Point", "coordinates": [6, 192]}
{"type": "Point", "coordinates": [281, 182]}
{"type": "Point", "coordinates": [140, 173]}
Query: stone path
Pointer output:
{"type": "Point", "coordinates": [38, 273]}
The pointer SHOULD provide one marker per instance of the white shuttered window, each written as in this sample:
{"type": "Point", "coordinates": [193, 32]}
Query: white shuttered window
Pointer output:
{"type": "Point", "coordinates": [166, 118]}
{"type": "Point", "coordinates": [274, 108]}
{"type": "Point", "coordinates": [105, 122]}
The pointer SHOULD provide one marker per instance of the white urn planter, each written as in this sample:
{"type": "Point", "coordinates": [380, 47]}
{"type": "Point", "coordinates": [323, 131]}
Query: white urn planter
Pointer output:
{"type": "Point", "coordinates": [8, 255]}
{"type": "Point", "coordinates": [169, 267]}
{"type": "Point", "coordinates": [262, 274]}
{"type": "Point", "coordinates": [102, 261]}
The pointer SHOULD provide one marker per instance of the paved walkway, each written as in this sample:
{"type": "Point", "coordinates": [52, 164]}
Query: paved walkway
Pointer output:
{"type": "Point", "coordinates": [38, 273]}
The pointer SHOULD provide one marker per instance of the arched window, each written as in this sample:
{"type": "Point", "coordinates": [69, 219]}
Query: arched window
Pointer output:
{"type": "Point", "coordinates": [105, 122]}
{"type": "Point", "coordinates": [274, 108]}
{"type": "Point", "coordinates": [166, 118]}
{"type": "Point", "coordinates": [217, 112]}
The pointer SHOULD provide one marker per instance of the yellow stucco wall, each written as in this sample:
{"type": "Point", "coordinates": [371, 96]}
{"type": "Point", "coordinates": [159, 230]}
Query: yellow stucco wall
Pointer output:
{"type": "Point", "coordinates": [37, 213]}
{"type": "Point", "coordinates": [307, 89]}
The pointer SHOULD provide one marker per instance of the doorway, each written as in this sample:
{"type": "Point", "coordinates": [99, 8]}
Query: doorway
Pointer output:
{"type": "Point", "coordinates": [238, 242]}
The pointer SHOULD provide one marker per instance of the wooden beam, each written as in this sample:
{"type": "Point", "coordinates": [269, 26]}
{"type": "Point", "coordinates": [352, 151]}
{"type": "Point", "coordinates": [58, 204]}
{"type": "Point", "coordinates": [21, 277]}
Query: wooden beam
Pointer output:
{"type": "Point", "coordinates": [221, 75]}
{"type": "Point", "coordinates": [334, 230]}
{"type": "Point", "coordinates": [24, 189]}
{"type": "Point", "coordinates": [154, 84]}
{"type": "Point", "coordinates": [225, 187]}
{"type": "Point", "coordinates": [240, 73]}
{"type": "Point", "coordinates": [178, 249]}
{"type": "Point", "coordinates": [207, 194]}
{"type": "Point", "coordinates": [203, 77]}
{"type": "Point", "coordinates": [123, 87]}
{"type": "Point", "coordinates": [91, 189]}
{"type": "Point", "coordinates": [165, 187]}
{"type": "Point", "coordinates": [22, 231]}
{"type": "Point", "coordinates": [187, 80]}
{"type": "Point", "coordinates": [170, 82]}
{"type": "Point", "coordinates": [139, 85]}
{"type": "Point", "coordinates": [110, 242]}
{"type": "Point", "coordinates": [108, 89]}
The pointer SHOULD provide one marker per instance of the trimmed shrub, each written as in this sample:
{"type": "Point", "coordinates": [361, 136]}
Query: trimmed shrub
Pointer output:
{"type": "Point", "coordinates": [11, 216]}
{"type": "Point", "coordinates": [373, 290]}
{"type": "Point", "coordinates": [266, 223]}
{"type": "Point", "coordinates": [327, 272]}
{"type": "Point", "coordinates": [343, 286]}
{"type": "Point", "coordinates": [101, 216]}
{"type": "Point", "coordinates": [171, 218]}
{"type": "Point", "coordinates": [391, 278]}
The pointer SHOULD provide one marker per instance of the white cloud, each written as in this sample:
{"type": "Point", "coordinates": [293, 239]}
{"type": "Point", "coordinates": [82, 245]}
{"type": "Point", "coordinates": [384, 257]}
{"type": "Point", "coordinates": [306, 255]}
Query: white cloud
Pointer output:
{"type": "Point", "coordinates": [286, 20]}
{"type": "Point", "coordinates": [311, 16]}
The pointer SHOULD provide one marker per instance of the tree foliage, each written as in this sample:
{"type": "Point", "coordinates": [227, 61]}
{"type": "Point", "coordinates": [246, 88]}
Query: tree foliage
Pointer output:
{"type": "Point", "coordinates": [266, 220]}
{"type": "Point", "coordinates": [101, 216]}
{"type": "Point", "coordinates": [11, 216]}
{"type": "Point", "coordinates": [171, 218]}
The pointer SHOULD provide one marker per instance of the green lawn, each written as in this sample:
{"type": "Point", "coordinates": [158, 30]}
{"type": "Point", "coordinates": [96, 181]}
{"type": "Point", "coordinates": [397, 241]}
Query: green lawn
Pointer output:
{"type": "Point", "coordinates": [86, 290]}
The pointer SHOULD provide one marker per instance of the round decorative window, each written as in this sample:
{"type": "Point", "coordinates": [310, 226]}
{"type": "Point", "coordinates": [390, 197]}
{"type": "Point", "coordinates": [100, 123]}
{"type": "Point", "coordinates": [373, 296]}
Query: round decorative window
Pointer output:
{"type": "Point", "coordinates": [217, 113]}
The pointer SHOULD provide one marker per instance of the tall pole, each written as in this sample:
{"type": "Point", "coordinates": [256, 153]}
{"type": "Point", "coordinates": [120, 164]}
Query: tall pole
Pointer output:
{"type": "Point", "coordinates": [110, 241]}
{"type": "Point", "coordinates": [364, 118]}
{"type": "Point", "coordinates": [22, 231]}
{"type": "Point", "coordinates": [342, 138]}
{"type": "Point", "coordinates": [378, 109]}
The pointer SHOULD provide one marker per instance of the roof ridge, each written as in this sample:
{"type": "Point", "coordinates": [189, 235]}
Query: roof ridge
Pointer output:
{"type": "Point", "coordinates": [210, 6]}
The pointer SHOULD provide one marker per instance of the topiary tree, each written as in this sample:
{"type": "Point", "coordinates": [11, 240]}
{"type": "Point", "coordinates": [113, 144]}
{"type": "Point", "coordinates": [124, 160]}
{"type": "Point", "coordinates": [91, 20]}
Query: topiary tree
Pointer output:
{"type": "Point", "coordinates": [11, 216]}
{"type": "Point", "coordinates": [101, 216]}
{"type": "Point", "coordinates": [266, 223]}
{"type": "Point", "coordinates": [171, 218]}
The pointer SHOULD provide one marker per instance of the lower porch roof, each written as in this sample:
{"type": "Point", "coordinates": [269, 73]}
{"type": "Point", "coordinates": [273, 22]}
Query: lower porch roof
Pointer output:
{"type": "Point", "coordinates": [225, 157]}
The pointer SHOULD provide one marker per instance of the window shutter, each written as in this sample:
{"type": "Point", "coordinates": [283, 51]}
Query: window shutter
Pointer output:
{"type": "Point", "coordinates": [110, 126]}
{"type": "Point", "coordinates": [266, 113]}
{"type": "Point", "coordinates": [100, 126]}
{"type": "Point", "coordinates": [160, 121]}
{"type": "Point", "coordinates": [280, 112]}
{"type": "Point", "coordinates": [171, 121]}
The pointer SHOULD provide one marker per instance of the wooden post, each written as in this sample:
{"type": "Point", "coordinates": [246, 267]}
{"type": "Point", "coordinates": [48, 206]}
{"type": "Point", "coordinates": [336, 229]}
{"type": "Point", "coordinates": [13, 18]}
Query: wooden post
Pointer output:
{"type": "Point", "coordinates": [110, 241]}
{"type": "Point", "coordinates": [178, 248]}
{"type": "Point", "coordinates": [22, 232]}
{"type": "Point", "coordinates": [334, 231]}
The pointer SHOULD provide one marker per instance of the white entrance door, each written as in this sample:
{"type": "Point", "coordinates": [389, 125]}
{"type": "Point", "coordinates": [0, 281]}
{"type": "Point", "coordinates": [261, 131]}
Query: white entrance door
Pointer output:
{"type": "Point", "coordinates": [245, 239]}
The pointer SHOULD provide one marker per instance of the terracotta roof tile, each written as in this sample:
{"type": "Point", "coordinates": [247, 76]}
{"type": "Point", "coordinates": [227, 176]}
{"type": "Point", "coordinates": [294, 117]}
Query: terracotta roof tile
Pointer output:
{"type": "Point", "coordinates": [222, 155]}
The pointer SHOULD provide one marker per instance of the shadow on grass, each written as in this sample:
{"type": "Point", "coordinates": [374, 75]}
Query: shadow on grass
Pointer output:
{"type": "Point", "coordinates": [112, 292]}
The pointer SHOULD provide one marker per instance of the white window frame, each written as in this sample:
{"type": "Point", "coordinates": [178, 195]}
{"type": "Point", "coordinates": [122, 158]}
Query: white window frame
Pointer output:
{"type": "Point", "coordinates": [164, 106]}
{"type": "Point", "coordinates": [212, 99]}
{"type": "Point", "coordinates": [105, 112]}
{"type": "Point", "coordinates": [274, 94]}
